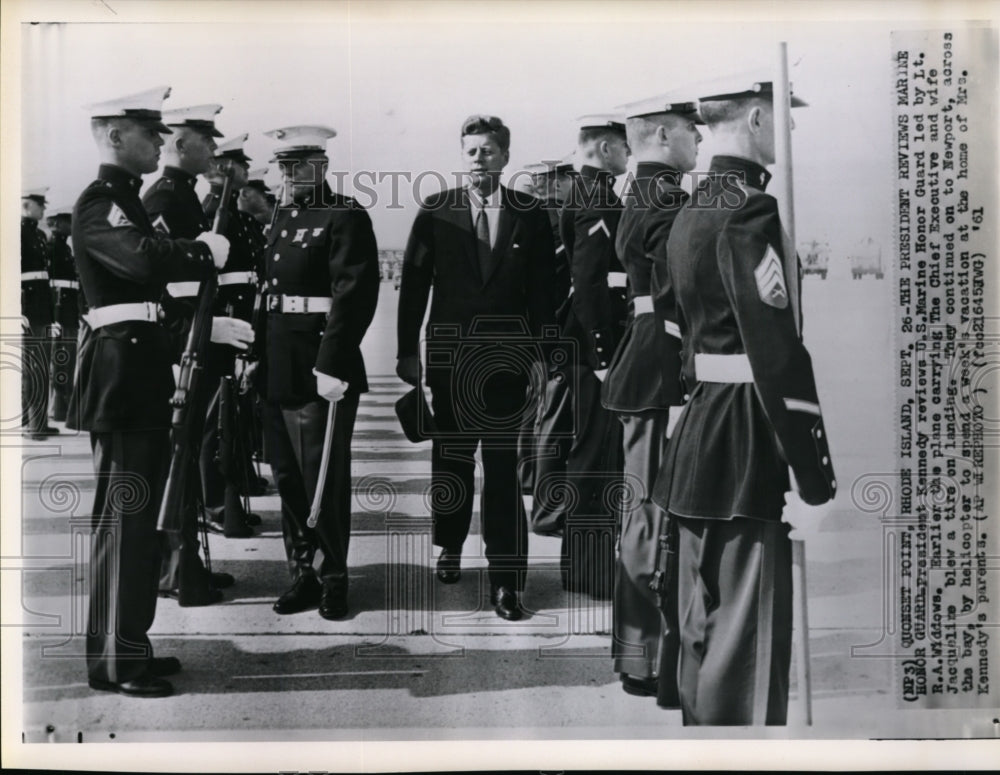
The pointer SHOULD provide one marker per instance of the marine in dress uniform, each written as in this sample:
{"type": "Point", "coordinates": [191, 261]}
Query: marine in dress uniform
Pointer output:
{"type": "Point", "coordinates": [644, 379]}
{"type": "Point", "coordinates": [487, 253]}
{"type": "Point", "coordinates": [124, 386]}
{"type": "Point", "coordinates": [67, 308]}
{"type": "Point", "coordinates": [321, 285]}
{"type": "Point", "coordinates": [541, 448]}
{"type": "Point", "coordinates": [175, 210]}
{"type": "Point", "coordinates": [256, 199]}
{"type": "Point", "coordinates": [37, 314]}
{"type": "Point", "coordinates": [596, 322]}
{"type": "Point", "coordinates": [237, 292]}
{"type": "Point", "coordinates": [752, 414]}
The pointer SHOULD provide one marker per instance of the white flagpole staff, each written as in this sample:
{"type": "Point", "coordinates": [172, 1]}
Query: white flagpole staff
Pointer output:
{"type": "Point", "coordinates": [332, 389]}
{"type": "Point", "coordinates": [797, 513]}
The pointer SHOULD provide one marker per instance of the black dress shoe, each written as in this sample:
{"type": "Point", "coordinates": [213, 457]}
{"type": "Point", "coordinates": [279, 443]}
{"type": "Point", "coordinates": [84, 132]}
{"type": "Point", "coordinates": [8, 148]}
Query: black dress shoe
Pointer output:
{"type": "Point", "coordinates": [144, 686]}
{"type": "Point", "coordinates": [161, 667]}
{"type": "Point", "coordinates": [202, 596]}
{"type": "Point", "coordinates": [333, 602]}
{"type": "Point", "coordinates": [449, 567]}
{"type": "Point", "coordinates": [50, 431]}
{"type": "Point", "coordinates": [506, 604]}
{"type": "Point", "coordinates": [239, 530]}
{"type": "Point", "coordinates": [253, 520]}
{"type": "Point", "coordinates": [639, 687]}
{"type": "Point", "coordinates": [222, 580]}
{"type": "Point", "coordinates": [259, 486]}
{"type": "Point", "coordinates": [304, 594]}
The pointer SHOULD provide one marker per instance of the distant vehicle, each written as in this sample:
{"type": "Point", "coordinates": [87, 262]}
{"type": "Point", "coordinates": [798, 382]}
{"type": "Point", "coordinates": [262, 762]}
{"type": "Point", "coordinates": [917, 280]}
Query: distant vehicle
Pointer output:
{"type": "Point", "coordinates": [866, 258]}
{"type": "Point", "coordinates": [815, 257]}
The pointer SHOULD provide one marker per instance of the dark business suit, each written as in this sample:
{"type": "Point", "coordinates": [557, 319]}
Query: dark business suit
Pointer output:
{"type": "Point", "coordinates": [482, 336]}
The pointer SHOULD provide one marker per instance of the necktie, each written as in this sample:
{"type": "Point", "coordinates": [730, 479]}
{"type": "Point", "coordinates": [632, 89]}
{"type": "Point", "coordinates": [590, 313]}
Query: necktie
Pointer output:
{"type": "Point", "coordinates": [483, 242]}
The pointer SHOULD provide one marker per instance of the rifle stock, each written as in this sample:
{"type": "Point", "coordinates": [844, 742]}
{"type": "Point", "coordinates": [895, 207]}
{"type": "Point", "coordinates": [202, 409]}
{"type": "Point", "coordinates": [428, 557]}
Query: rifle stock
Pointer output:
{"type": "Point", "coordinates": [185, 423]}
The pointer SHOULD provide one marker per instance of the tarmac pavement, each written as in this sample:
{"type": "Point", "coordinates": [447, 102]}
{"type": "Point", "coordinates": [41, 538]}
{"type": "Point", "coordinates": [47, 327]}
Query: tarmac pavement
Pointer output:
{"type": "Point", "coordinates": [417, 659]}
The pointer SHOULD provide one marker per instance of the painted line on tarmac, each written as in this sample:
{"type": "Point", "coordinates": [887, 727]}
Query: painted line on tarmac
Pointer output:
{"type": "Point", "coordinates": [328, 675]}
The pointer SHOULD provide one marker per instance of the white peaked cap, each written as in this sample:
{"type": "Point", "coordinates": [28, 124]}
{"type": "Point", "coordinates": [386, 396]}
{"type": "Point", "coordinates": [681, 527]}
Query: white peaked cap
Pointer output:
{"type": "Point", "coordinates": [601, 120]}
{"type": "Point", "coordinates": [684, 104]}
{"type": "Point", "coordinates": [143, 106]}
{"type": "Point", "coordinates": [301, 139]}
{"type": "Point", "coordinates": [201, 117]}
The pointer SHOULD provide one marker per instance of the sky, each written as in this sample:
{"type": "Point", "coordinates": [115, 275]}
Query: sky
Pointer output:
{"type": "Point", "coordinates": [397, 79]}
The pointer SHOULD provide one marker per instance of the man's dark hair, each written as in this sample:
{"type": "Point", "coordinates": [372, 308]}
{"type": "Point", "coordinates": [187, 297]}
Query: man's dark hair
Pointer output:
{"type": "Point", "coordinates": [488, 125]}
{"type": "Point", "coordinates": [716, 112]}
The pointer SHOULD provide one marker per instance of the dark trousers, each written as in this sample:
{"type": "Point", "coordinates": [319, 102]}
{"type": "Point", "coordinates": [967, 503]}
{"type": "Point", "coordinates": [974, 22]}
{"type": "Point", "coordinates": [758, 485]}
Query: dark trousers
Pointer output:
{"type": "Point", "coordinates": [553, 439]}
{"type": "Point", "coordinates": [63, 372]}
{"type": "Point", "coordinates": [36, 351]}
{"type": "Point", "coordinates": [492, 425]}
{"type": "Point", "coordinates": [735, 613]}
{"type": "Point", "coordinates": [131, 468]}
{"type": "Point", "coordinates": [222, 490]}
{"type": "Point", "coordinates": [638, 624]}
{"type": "Point", "coordinates": [527, 439]}
{"type": "Point", "coordinates": [594, 478]}
{"type": "Point", "coordinates": [295, 437]}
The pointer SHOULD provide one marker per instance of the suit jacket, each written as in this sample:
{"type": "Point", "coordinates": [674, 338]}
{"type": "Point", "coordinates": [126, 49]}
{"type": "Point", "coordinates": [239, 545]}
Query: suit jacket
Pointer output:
{"type": "Point", "coordinates": [734, 442]}
{"type": "Point", "coordinates": [470, 312]}
{"type": "Point", "coordinates": [322, 247]}
{"type": "Point", "coordinates": [645, 371]}
{"type": "Point", "coordinates": [124, 381]}
{"type": "Point", "coordinates": [588, 224]}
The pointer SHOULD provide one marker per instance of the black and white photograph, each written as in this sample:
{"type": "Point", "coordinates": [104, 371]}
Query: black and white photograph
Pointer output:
{"type": "Point", "coordinates": [408, 385]}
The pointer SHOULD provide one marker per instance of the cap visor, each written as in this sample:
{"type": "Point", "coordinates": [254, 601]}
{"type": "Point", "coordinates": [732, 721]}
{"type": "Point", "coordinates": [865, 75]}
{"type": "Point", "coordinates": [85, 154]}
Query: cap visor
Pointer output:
{"type": "Point", "coordinates": [798, 102]}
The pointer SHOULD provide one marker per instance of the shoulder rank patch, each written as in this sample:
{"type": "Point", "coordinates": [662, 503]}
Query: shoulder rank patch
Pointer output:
{"type": "Point", "coordinates": [599, 226]}
{"type": "Point", "coordinates": [117, 218]}
{"type": "Point", "coordinates": [160, 224]}
{"type": "Point", "coordinates": [770, 277]}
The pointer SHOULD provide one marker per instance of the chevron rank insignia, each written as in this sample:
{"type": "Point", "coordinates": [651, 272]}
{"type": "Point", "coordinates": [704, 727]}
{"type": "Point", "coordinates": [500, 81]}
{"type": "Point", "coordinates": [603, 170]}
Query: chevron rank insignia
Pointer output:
{"type": "Point", "coordinates": [599, 226]}
{"type": "Point", "coordinates": [771, 280]}
{"type": "Point", "coordinates": [161, 225]}
{"type": "Point", "coordinates": [118, 218]}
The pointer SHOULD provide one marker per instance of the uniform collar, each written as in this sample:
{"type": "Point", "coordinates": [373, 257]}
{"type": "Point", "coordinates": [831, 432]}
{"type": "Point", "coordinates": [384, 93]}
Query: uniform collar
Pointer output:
{"type": "Point", "coordinates": [176, 173]}
{"type": "Point", "coordinates": [750, 171]}
{"type": "Point", "coordinates": [596, 176]}
{"type": "Point", "coordinates": [660, 171]}
{"type": "Point", "coordinates": [112, 173]}
{"type": "Point", "coordinates": [30, 222]}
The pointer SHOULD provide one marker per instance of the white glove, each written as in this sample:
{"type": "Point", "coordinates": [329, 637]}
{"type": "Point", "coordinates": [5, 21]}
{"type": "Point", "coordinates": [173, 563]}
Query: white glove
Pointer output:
{"type": "Point", "coordinates": [803, 518]}
{"type": "Point", "coordinates": [330, 388]}
{"type": "Point", "coordinates": [219, 246]}
{"type": "Point", "coordinates": [601, 374]}
{"type": "Point", "coordinates": [232, 331]}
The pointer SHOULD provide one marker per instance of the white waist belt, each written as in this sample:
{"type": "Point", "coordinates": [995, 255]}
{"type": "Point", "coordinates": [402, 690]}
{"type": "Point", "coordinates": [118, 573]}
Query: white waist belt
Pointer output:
{"type": "Point", "coordinates": [299, 304]}
{"type": "Point", "coordinates": [722, 368]}
{"type": "Point", "coordinates": [146, 311]}
{"type": "Point", "coordinates": [642, 305]}
{"type": "Point", "coordinates": [41, 274]}
{"type": "Point", "coordinates": [238, 278]}
{"type": "Point", "coordinates": [673, 329]}
{"type": "Point", "coordinates": [65, 284]}
{"type": "Point", "coordinates": [183, 290]}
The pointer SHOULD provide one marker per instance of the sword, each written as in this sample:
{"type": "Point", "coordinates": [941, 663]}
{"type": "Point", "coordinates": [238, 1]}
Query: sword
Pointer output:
{"type": "Point", "coordinates": [324, 464]}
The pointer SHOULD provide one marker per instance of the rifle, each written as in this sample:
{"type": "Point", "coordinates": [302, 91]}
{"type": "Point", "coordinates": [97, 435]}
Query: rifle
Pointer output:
{"type": "Point", "coordinates": [664, 584]}
{"type": "Point", "coordinates": [185, 423]}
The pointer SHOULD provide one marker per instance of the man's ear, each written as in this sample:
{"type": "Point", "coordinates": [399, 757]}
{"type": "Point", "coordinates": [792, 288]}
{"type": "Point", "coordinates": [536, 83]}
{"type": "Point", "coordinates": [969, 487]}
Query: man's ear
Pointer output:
{"type": "Point", "coordinates": [114, 135]}
{"type": "Point", "coordinates": [753, 119]}
{"type": "Point", "coordinates": [662, 136]}
{"type": "Point", "coordinates": [605, 148]}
